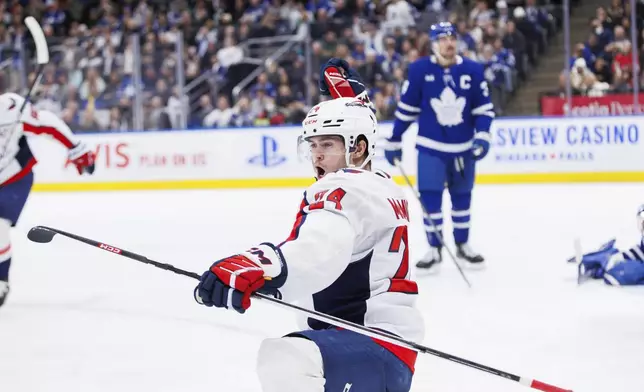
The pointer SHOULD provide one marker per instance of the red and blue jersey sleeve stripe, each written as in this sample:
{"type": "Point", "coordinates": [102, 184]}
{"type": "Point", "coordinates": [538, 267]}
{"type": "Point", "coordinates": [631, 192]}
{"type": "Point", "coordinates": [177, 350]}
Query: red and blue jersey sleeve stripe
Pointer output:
{"type": "Point", "coordinates": [299, 221]}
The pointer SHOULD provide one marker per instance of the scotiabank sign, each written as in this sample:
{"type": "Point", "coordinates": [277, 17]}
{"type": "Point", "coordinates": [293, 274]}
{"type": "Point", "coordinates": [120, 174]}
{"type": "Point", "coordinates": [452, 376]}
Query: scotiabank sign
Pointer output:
{"type": "Point", "coordinates": [608, 105]}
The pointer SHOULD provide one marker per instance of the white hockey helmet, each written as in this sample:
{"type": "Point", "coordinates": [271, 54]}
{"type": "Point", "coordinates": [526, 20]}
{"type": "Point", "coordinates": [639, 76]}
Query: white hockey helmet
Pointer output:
{"type": "Point", "coordinates": [348, 118]}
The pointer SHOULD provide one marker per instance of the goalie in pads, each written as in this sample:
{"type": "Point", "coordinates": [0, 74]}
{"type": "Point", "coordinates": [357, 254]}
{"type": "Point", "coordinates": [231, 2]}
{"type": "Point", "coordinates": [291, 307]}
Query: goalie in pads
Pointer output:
{"type": "Point", "coordinates": [347, 256]}
{"type": "Point", "coordinates": [615, 267]}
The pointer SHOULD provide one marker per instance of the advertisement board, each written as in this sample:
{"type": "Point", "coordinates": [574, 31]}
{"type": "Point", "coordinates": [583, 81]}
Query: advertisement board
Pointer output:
{"type": "Point", "coordinates": [524, 150]}
{"type": "Point", "coordinates": [607, 105]}
{"type": "Point", "coordinates": [176, 159]}
{"type": "Point", "coordinates": [568, 149]}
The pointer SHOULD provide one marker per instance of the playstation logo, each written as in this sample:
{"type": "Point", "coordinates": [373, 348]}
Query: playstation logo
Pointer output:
{"type": "Point", "coordinates": [269, 156]}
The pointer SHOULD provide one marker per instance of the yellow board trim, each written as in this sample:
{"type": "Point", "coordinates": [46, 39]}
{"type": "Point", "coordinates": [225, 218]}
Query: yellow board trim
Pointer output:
{"type": "Point", "coordinates": [526, 178]}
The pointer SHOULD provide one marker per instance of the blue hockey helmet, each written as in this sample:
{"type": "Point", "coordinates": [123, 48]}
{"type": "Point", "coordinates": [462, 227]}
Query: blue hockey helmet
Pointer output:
{"type": "Point", "coordinates": [442, 29]}
{"type": "Point", "coordinates": [640, 219]}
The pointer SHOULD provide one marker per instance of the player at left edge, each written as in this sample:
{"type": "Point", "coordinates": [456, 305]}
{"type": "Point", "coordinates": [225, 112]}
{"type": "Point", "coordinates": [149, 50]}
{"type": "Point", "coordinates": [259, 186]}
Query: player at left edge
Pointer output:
{"type": "Point", "coordinates": [17, 163]}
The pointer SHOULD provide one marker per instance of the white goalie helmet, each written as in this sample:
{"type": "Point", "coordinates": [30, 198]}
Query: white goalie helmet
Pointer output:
{"type": "Point", "coordinates": [348, 118]}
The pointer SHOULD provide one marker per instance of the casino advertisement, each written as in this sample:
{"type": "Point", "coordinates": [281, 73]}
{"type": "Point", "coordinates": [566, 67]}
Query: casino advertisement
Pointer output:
{"type": "Point", "coordinates": [542, 145]}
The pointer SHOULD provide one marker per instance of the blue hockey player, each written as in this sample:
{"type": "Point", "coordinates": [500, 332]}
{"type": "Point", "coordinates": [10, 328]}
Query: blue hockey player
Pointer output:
{"type": "Point", "coordinates": [449, 97]}
{"type": "Point", "coordinates": [615, 267]}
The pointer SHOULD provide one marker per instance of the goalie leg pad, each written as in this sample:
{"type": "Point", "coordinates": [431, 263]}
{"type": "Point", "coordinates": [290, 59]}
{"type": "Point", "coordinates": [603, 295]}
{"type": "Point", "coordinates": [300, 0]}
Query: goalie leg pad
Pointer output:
{"type": "Point", "coordinates": [625, 273]}
{"type": "Point", "coordinates": [290, 364]}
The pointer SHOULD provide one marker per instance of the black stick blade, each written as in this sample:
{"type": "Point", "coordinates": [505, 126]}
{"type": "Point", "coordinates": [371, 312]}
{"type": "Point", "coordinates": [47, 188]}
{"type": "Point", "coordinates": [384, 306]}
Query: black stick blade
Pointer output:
{"type": "Point", "coordinates": [40, 234]}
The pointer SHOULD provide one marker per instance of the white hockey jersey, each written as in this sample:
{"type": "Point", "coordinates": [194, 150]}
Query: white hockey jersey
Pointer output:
{"type": "Point", "coordinates": [348, 256]}
{"type": "Point", "coordinates": [16, 158]}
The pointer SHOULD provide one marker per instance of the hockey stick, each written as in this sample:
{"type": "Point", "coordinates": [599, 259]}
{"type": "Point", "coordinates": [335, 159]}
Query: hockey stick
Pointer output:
{"type": "Point", "coordinates": [42, 54]}
{"type": "Point", "coordinates": [579, 254]}
{"type": "Point", "coordinates": [431, 222]}
{"type": "Point", "coordinates": [42, 59]}
{"type": "Point", "coordinates": [43, 234]}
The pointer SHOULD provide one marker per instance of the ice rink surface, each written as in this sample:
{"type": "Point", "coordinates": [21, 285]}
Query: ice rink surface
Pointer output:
{"type": "Point", "coordinates": [79, 319]}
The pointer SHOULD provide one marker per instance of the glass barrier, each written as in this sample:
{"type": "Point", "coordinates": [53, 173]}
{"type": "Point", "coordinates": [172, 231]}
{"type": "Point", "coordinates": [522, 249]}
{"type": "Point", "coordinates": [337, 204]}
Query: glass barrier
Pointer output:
{"type": "Point", "coordinates": [541, 58]}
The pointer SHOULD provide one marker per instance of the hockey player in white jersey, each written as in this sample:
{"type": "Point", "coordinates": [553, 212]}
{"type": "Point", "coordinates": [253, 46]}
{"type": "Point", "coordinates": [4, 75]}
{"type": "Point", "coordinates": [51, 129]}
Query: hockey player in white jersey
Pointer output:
{"type": "Point", "coordinates": [17, 162]}
{"type": "Point", "coordinates": [347, 256]}
{"type": "Point", "coordinates": [615, 267]}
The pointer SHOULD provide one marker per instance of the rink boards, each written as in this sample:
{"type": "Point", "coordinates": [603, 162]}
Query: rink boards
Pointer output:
{"type": "Point", "coordinates": [524, 150]}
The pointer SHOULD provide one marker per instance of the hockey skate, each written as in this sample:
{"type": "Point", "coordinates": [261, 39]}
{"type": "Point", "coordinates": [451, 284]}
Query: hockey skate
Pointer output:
{"type": "Point", "coordinates": [469, 257]}
{"type": "Point", "coordinates": [4, 291]}
{"type": "Point", "coordinates": [431, 261]}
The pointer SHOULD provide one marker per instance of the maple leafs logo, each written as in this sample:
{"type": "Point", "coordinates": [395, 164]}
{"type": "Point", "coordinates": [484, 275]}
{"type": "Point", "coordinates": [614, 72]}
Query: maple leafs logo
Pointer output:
{"type": "Point", "coordinates": [449, 108]}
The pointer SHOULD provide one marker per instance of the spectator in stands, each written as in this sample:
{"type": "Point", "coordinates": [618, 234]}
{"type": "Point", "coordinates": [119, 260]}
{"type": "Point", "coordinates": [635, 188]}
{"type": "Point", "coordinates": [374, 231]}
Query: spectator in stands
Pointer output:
{"type": "Point", "coordinates": [156, 116]}
{"type": "Point", "coordinates": [620, 40]}
{"type": "Point", "coordinates": [400, 15]}
{"type": "Point", "coordinates": [602, 30]}
{"type": "Point", "coordinates": [540, 18]}
{"type": "Point", "coordinates": [602, 71]}
{"type": "Point", "coordinates": [502, 16]}
{"type": "Point", "coordinates": [616, 10]}
{"type": "Point", "coordinates": [481, 15]}
{"type": "Point", "coordinates": [515, 42]}
{"type": "Point", "coordinates": [242, 114]}
{"type": "Point", "coordinates": [116, 121]}
{"type": "Point", "coordinates": [622, 67]}
{"type": "Point", "coordinates": [535, 36]}
{"type": "Point", "coordinates": [205, 108]}
{"type": "Point", "coordinates": [592, 49]}
{"type": "Point", "coordinates": [230, 53]}
{"type": "Point", "coordinates": [584, 81]}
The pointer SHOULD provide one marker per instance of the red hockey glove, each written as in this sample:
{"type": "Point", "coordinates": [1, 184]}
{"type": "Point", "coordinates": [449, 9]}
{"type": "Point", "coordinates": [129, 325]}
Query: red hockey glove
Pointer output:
{"type": "Point", "coordinates": [231, 281]}
{"type": "Point", "coordinates": [83, 158]}
{"type": "Point", "coordinates": [339, 80]}
{"type": "Point", "coordinates": [334, 80]}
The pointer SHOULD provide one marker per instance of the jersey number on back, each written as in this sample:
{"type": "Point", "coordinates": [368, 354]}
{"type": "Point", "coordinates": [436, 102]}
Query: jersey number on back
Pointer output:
{"type": "Point", "coordinates": [399, 283]}
{"type": "Point", "coordinates": [334, 197]}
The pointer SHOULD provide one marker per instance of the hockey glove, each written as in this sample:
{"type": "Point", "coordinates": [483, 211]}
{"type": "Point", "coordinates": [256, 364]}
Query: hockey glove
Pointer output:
{"type": "Point", "coordinates": [393, 150]}
{"type": "Point", "coordinates": [83, 158]}
{"type": "Point", "coordinates": [231, 281]}
{"type": "Point", "coordinates": [481, 145]}
{"type": "Point", "coordinates": [338, 80]}
{"type": "Point", "coordinates": [594, 264]}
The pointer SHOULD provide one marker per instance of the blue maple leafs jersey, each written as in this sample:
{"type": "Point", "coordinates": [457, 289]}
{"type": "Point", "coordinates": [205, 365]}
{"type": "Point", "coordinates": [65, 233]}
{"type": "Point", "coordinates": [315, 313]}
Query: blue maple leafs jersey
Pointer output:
{"type": "Point", "coordinates": [451, 105]}
{"type": "Point", "coordinates": [635, 253]}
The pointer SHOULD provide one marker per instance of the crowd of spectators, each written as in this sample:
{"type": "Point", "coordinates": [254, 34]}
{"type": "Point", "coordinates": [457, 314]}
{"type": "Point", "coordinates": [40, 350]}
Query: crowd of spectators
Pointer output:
{"type": "Point", "coordinates": [206, 45]}
{"type": "Point", "coordinates": [604, 63]}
